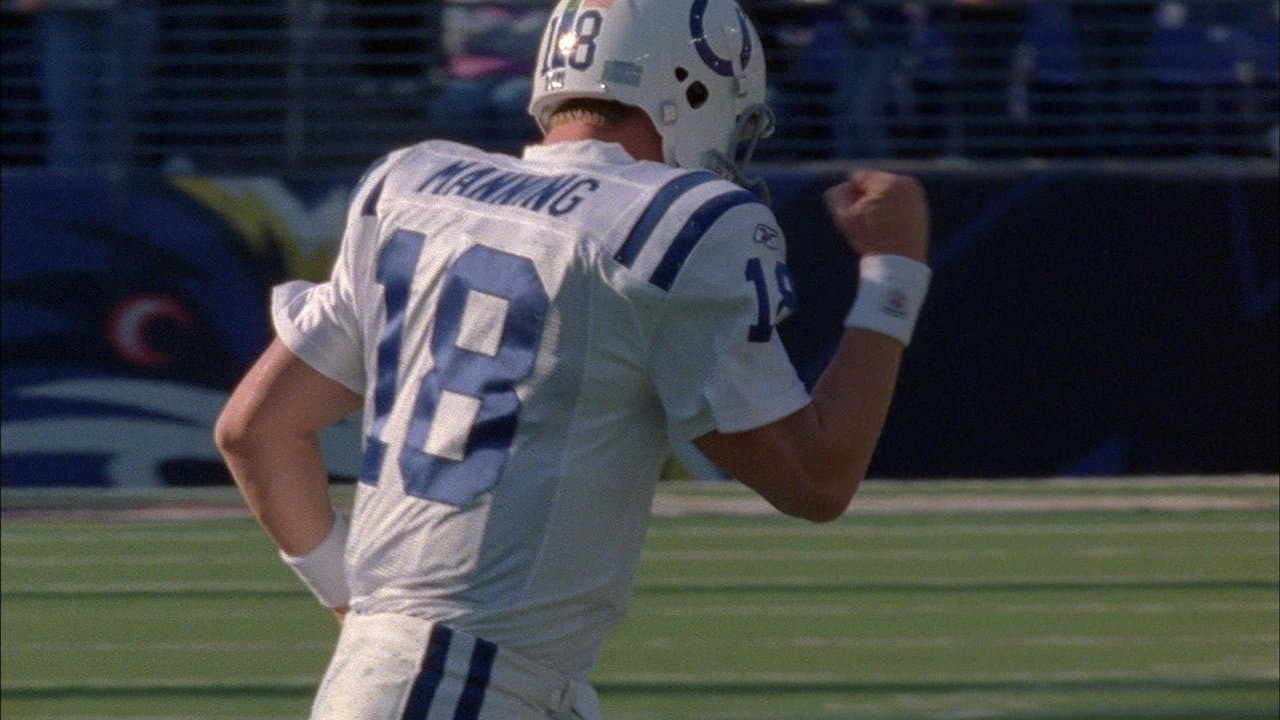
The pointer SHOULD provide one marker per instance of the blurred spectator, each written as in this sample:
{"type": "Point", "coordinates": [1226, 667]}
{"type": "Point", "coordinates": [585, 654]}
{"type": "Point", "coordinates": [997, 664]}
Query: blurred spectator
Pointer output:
{"type": "Point", "coordinates": [1113, 37]}
{"type": "Point", "coordinates": [875, 39]}
{"type": "Point", "coordinates": [246, 84]}
{"type": "Point", "coordinates": [94, 59]}
{"type": "Point", "coordinates": [922, 86]}
{"type": "Point", "coordinates": [801, 44]}
{"type": "Point", "coordinates": [22, 118]}
{"type": "Point", "coordinates": [1202, 61]}
{"type": "Point", "coordinates": [223, 84]}
{"type": "Point", "coordinates": [1045, 97]}
{"type": "Point", "coordinates": [1253, 32]}
{"type": "Point", "coordinates": [396, 46]}
{"type": "Point", "coordinates": [489, 49]}
{"type": "Point", "coordinates": [984, 35]}
{"type": "Point", "coordinates": [1263, 70]}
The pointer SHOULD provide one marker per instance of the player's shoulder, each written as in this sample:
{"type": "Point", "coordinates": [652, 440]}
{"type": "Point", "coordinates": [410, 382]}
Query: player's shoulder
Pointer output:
{"type": "Point", "coordinates": [406, 165]}
{"type": "Point", "coordinates": [434, 150]}
{"type": "Point", "coordinates": [687, 209]}
{"type": "Point", "coordinates": [369, 188]}
{"type": "Point", "coordinates": [411, 162]}
{"type": "Point", "coordinates": [691, 197]}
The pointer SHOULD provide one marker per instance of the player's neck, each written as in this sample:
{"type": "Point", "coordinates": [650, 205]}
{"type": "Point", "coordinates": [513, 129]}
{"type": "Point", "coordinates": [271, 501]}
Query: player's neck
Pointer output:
{"type": "Point", "coordinates": [636, 135]}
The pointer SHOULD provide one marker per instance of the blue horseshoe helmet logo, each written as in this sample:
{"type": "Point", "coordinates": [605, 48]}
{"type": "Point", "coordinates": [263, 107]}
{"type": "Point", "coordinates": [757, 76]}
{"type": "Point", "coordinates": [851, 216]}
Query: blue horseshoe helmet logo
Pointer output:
{"type": "Point", "coordinates": [717, 64]}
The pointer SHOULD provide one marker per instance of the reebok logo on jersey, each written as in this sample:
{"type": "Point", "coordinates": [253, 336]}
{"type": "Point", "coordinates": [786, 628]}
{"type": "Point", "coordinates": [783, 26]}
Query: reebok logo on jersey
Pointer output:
{"type": "Point", "coordinates": [767, 236]}
{"type": "Point", "coordinates": [557, 195]}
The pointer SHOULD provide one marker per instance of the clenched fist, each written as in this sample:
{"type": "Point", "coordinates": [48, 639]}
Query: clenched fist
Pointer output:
{"type": "Point", "coordinates": [881, 213]}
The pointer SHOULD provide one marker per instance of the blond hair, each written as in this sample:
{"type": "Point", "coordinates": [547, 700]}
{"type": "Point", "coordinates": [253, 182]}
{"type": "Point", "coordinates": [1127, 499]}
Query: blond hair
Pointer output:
{"type": "Point", "coordinates": [592, 111]}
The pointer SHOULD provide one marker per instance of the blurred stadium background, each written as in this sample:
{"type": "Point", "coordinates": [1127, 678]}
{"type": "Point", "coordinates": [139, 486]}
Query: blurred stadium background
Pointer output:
{"type": "Point", "coordinates": [308, 86]}
{"type": "Point", "coordinates": [1098, 357]}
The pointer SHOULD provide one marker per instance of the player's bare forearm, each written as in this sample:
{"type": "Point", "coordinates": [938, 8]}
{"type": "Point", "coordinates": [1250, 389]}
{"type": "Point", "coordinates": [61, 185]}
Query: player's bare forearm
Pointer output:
{"type": "Point", "coordinates": [267, 436]}
{"type": "Point", "coordinates": [850, 403]}
{"type": "Point", "coordinates": [285, 485]}
{"type": "Point", "coordinates": [811, 463]}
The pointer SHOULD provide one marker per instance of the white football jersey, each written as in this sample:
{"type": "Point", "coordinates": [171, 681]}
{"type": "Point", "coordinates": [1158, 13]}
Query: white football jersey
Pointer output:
{"type": "Point", "coordinates": [528, 334]}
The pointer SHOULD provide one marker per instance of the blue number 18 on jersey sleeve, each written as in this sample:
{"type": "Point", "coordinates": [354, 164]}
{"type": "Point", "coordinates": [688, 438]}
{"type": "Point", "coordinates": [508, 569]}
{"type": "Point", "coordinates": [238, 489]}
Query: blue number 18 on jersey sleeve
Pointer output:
{"type": "Point", "coordinates": [484, 339]}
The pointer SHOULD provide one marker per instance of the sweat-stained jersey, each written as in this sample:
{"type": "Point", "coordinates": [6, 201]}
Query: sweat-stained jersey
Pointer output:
{"type": "Point", "coordinates": [528, 334]}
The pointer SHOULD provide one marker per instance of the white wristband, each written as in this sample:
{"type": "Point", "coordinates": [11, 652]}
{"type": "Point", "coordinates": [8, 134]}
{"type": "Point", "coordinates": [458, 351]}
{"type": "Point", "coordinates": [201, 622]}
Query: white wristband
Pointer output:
{"type": "Point", "coordinates": [323, 570]}
{"type": "Point", "coordinates": [891, 290]}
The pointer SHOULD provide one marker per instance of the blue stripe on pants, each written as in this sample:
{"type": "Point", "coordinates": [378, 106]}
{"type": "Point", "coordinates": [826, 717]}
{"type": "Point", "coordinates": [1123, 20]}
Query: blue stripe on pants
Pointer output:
{"type": "Point", "coordinates": [477, 680]}
{"type": "Point", "coordinates": [429, 677]}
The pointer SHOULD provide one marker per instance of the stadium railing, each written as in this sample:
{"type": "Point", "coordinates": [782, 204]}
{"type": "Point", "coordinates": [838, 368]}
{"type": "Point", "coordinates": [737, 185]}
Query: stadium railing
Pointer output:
{"type": "Point", "coordinates": [303, 86]}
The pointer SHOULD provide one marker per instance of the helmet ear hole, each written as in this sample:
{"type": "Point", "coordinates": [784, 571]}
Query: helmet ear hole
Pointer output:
{"type": "Point", "coordinates": [681, 74]}
{"type": "Point", "coordinates": [697, 95]}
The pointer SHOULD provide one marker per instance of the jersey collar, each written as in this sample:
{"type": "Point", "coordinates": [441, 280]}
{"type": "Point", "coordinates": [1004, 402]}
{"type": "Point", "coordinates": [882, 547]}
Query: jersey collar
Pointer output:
{"type": "Point", "coordinates": [579, 151]}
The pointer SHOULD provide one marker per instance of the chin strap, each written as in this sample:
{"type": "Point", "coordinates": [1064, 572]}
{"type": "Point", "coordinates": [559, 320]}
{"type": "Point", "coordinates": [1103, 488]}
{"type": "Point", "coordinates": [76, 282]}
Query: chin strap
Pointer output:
{"type": "Point", "coordinates": [754, 124]}
{"type": "Point", "coordinates": [716, 162]}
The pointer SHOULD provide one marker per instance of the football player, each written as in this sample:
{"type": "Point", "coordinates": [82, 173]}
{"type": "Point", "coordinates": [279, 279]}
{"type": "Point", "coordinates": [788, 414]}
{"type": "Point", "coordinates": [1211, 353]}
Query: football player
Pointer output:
{"type": "Point", "coordinates": [525, 335]}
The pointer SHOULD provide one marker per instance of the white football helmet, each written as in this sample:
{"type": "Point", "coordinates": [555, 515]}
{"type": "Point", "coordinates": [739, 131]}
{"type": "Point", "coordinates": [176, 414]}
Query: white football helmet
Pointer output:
{"type": "Point", "coordinates": [696, 67]}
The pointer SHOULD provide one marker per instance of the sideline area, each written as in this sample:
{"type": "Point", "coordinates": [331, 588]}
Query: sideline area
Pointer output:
{"type": "Point", "coordinates": [681, 498]}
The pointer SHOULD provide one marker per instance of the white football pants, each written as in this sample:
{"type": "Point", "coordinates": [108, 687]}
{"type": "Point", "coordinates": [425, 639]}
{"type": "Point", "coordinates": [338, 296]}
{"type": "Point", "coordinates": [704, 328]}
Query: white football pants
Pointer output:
{"type": "Point", "coordinates": [395, 667]}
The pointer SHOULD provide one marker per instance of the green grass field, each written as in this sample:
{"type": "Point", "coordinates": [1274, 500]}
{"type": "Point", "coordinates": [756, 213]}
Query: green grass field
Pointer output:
{"type": "Point", "coordinates": [1140, 599]}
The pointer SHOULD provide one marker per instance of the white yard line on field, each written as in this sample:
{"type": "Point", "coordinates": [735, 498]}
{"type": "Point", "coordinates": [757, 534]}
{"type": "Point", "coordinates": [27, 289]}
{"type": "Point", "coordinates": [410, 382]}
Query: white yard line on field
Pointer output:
{"type": "Point", "coordinates": [143, 587]}
{"type": "Point", "coordinates": [167, 535]}
{"type": "Point", "coordinates": [158, 558]}
{"type": "Point", "coordinates": [942, 553]}
{"type": "Point", "coordinates": [134, 560]}
{"type": "Point", "coordinates": [685, 643]}
{"type": "Point", "coordinates": [681, 643]}
{"type": "Point", "coordinates": [168, 646]}
{"type": "Point", "coordinates": [937, 582]}
{"type": "Point", "coordinates": [676, 499]}
{"type": "Point", "coordinates": [201, 716]}
{"type": "Point", "coordinates": [802, 530]}
{"type": "Point", "coordinates": [180, 684]}
{"type": "Point", "coordinates": [1173, 674]}
{"type": "Point", "coordinates": [811, 609]}
{"type": "Point", "coordinates": [674, 505]}
{"type": "Point", "coordinates": [35, 534]}
{"type": "Point", "coordinates": [977, 583]}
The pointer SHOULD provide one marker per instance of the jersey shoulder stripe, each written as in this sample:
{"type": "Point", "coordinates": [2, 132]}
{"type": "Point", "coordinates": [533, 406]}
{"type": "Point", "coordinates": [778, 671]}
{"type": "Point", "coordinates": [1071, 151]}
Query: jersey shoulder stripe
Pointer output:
{"type": "Point", "coordinates": [373, 167]}
{"type": "Point", "coordinates": [385, 164]}
{"type": "Point", "coordinates": [371, 200]}
{"type": "Point", "coordinates": [694, 228]}
{"type": "Point", "coordinates": [656, 210]}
